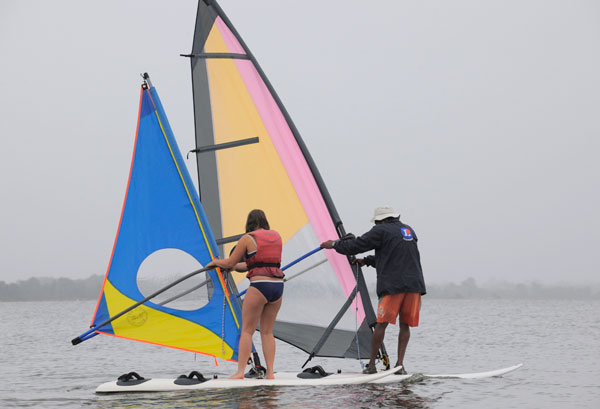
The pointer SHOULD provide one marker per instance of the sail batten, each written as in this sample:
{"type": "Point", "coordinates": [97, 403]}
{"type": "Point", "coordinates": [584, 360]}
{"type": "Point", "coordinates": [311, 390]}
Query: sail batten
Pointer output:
{"type": "Point", "coordinates": [231, 56]}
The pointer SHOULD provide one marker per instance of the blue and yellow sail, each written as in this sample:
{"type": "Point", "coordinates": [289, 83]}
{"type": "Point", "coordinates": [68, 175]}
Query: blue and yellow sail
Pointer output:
{"type": "Point", "coordinates": [162, 211]}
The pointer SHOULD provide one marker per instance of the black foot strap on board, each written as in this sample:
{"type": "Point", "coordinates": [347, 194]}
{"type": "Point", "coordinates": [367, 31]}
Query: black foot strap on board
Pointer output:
{"type": "Point", "coordinates": [194, 378]}
{"type": "Point", "coordinates": [313, 373]}
{"type": "Point", "coordinates": [131, 379]}
{"type": "Point", "coordinates": [258, 372]}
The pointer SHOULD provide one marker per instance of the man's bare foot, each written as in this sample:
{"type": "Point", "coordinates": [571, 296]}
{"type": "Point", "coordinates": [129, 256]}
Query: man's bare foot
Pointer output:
{"type": "Point", "coordinates": [270, 376]}
{"type": "Point", "coordinates": [402, 371]}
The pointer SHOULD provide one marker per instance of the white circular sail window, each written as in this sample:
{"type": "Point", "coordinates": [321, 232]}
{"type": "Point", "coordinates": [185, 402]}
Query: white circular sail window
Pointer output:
{"type": "Point", "coordinates": [165, 266]}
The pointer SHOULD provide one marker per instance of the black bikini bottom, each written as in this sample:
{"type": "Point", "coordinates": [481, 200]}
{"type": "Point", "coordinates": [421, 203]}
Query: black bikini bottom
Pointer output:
{"type": "Point", "coordinates": [272, 290]}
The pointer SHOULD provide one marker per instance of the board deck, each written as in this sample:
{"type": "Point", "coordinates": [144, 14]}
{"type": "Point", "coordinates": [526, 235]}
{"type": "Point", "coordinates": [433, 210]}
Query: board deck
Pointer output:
{"type": "Point", "coordinates": [281, 379]}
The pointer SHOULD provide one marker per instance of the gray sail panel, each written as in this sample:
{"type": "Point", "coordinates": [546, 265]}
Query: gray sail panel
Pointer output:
{"type": "Point", "coordinates": [205, 19]}
{"type": "Point", "coordinates": [365, 336]}
{"type": "Point", "coordinates": [208, 181]}
{"type": "Point", "coordinates": [340, 343]}
{"type": "Point", "coordinates": [206, 162]}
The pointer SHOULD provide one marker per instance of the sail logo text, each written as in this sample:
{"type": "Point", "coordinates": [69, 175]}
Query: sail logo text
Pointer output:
{"type": "Point", "coordinates": [137, 317]}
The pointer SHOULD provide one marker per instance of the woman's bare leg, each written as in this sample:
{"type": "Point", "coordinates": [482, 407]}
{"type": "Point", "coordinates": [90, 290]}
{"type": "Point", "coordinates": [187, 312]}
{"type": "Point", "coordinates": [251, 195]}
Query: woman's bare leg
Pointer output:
{"type": "Point", "coordinates": [252, 308]}
{"type": "Point", "coordinates": [267, 322]}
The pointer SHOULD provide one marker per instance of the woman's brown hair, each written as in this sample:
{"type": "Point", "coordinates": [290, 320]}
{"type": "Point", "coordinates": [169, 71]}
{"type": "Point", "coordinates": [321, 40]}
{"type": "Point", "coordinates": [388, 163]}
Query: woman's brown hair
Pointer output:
{"type": "Point", "coordinates": [256, 220]}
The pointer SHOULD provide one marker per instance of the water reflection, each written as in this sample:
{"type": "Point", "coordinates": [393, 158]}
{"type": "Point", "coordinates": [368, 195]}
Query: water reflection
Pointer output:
{"type": "Point", "coordinates": [381, 396]}
{"type": "Point", "coordinates": [349, 396]}
{"type": "Point", "coordinates": [264, 397]}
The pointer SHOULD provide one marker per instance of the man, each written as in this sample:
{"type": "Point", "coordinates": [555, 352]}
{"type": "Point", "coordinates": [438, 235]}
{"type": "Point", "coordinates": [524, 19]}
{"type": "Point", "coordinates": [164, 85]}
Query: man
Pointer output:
{"type": "Point", "coordinates": [400, 282]}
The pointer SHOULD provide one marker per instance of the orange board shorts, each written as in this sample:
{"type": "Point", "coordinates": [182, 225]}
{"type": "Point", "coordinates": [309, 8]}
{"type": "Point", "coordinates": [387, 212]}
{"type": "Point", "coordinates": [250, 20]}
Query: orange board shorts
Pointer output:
{"type": "Point", "coordinates": [407, 305]}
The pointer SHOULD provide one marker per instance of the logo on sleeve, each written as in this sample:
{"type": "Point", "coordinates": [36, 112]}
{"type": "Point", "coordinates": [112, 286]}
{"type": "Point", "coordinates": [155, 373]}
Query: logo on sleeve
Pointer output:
{"type": "Point", "coordinates": [406, 234]}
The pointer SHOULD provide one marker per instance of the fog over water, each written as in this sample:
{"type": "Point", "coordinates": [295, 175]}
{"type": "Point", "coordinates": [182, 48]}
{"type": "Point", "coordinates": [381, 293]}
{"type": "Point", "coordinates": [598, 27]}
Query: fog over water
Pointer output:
{"type": "Point", "coordinates": [476, 120]}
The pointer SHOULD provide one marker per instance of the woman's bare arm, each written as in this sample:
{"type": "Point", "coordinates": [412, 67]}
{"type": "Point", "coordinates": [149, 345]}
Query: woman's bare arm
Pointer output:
{"type": "Point", "coordinates": [234, 258]}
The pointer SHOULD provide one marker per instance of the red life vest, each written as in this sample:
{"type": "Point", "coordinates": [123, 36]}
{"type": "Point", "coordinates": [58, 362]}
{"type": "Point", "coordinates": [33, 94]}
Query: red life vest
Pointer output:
{"type": "Point", "coordinates": [267, 259]}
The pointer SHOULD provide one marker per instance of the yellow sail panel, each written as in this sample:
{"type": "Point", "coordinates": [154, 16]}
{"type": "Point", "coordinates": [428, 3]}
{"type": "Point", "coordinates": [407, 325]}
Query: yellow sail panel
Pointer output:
{"type": "Point", "coordinates": [215, 42]}
{"type": "Point", "coordinates": [250, 177]}
{"type": "Point", "coordinates": [147, 324]}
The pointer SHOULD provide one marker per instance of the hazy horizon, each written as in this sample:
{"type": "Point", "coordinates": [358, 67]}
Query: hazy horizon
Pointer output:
{"type": "Point", "coordinates": [370, 279]}
{"type": "Point", "coordinates": [57, 289]}
{"type": "Point", "coordinates": [477, 121]}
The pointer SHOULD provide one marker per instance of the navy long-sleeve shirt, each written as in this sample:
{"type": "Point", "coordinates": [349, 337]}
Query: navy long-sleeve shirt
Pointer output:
{"type": "Point", "coordinates": [397, 259]}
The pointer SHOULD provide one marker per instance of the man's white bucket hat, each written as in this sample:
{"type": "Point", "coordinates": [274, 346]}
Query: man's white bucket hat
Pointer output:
{"type": "Point", "coordinates": [383, 212]}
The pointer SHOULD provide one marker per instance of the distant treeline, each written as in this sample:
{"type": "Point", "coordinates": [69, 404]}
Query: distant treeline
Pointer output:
{"type": "Point", "coordinates": [533, 290]}
{"type": "Point", "coordinates": [51, 289]}
{"type": "Point", "coordinates": [56, 289]}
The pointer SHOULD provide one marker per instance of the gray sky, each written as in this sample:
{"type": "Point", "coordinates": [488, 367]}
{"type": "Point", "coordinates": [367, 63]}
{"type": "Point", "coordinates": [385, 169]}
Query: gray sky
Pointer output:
{"type": "Point", "coordinates": [477, 120]}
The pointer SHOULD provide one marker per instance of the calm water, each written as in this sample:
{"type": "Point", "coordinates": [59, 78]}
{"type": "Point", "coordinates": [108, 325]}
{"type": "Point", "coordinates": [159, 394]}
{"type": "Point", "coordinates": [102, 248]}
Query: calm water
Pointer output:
{"type": "Point", "coordinates": [558, 341]}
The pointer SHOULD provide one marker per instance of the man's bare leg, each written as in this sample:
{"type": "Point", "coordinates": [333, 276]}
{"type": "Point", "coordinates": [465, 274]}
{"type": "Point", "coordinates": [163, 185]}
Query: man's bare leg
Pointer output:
{"type": "Point", "coordinates": [378, 336]}
{"type": "Point", "coordinates": [403, 338]}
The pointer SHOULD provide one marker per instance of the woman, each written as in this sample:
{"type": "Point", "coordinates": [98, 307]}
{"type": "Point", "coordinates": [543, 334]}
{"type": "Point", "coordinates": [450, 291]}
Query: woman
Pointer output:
{"type": "Point", "coordinates": [261, 248]}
